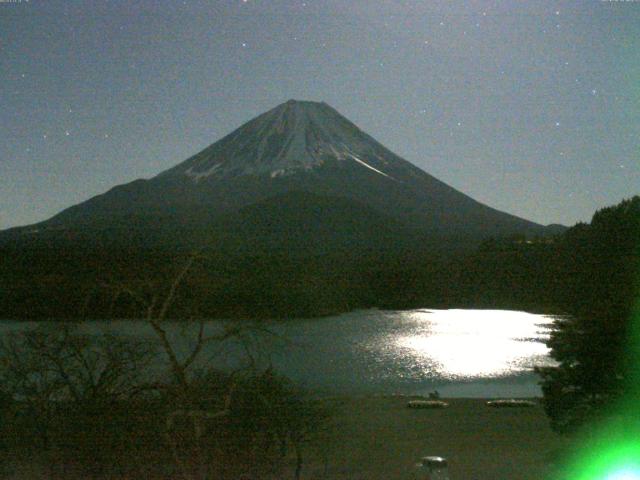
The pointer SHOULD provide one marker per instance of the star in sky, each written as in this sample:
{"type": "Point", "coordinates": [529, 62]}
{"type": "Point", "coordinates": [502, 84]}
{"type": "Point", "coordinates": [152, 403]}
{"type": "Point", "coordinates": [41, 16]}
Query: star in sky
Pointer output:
{"type": "Point", "coordinates": [525, 46]}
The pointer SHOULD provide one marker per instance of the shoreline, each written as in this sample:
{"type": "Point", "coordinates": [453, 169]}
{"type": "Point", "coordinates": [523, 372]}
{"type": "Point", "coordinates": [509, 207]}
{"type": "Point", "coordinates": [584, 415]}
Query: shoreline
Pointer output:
{"type": "Point", "coordinates": [546, 310]}
{"type": "Point", "coordinates": [379, 437]}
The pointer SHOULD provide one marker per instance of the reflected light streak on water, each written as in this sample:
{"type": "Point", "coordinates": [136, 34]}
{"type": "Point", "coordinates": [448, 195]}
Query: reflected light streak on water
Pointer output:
{"type": "Point", "coordinates": [491, 343]}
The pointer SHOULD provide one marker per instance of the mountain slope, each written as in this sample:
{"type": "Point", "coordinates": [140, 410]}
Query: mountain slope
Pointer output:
{"type": "Point", "coordinates": [300, 223]}
{"type": "Point", "coordinates": [297, 146]}
{"type": "Point", "coordinates": [296, 213]}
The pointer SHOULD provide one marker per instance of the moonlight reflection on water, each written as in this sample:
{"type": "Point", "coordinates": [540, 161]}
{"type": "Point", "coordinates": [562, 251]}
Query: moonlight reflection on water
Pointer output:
{"type": "Point", "coordinates": [490, 343]}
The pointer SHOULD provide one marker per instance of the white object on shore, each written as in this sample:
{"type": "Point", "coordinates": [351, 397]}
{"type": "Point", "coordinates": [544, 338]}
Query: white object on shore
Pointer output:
{"type": "Point", "coordinates": [427, 404]}
{"type": "Point", "coordinates": [511, 402]}
{"type": "Point", "coordinates": [435, 468]}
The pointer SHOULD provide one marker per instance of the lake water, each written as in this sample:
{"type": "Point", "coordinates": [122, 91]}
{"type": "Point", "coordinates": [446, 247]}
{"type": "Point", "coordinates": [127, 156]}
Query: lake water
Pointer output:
{"type": "Point", "coordinates": [460, 353]}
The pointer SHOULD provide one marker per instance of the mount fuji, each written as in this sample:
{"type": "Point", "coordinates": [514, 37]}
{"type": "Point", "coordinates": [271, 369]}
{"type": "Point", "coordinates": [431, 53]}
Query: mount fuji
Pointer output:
{"type": "Point", "coordinates": [296, 213]}
{"type": "Point", "coordinates": [299, 153]}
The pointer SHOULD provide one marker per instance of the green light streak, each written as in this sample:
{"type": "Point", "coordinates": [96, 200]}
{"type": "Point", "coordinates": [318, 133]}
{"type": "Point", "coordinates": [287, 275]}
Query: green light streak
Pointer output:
{"type": "Point", "coordinates": [609, 453]}
{"type": "Point", "coordinates": [610, 450]}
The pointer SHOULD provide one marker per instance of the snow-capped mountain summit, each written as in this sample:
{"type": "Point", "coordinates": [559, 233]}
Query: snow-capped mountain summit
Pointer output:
{"type": "Point", "coordinates": [292, 137]}
{"type": "Point", "coordinates": [296, 147]}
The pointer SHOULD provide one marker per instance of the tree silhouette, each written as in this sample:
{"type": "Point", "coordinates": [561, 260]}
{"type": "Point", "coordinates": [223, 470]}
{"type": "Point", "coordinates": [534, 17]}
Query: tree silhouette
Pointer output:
{"type": "Point", "coordinates": [596, 343]}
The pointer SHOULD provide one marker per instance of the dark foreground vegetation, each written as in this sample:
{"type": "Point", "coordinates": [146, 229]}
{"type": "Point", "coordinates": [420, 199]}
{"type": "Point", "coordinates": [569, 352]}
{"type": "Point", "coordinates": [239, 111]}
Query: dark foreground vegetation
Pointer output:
{"type": "Point", "coordinates": [79, 406]}
{"type": "Point", "coordinates": [86, 408]}
{"type": "Point", "coordinates": [597, 344]}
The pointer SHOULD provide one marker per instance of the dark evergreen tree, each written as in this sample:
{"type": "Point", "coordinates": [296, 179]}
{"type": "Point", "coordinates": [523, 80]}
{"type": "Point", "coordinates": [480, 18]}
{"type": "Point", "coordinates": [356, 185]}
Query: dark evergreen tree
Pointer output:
{"type": "Point", "coordinates": [596, 343]}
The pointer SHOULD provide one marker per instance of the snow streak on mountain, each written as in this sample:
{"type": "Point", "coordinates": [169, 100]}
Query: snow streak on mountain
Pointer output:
{"type": "Point", "coordinates": [293, 137]}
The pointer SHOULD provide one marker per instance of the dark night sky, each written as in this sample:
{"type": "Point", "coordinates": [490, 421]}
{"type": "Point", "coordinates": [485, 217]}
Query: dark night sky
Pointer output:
{"type": "Point", "coordinates": [532, 107]}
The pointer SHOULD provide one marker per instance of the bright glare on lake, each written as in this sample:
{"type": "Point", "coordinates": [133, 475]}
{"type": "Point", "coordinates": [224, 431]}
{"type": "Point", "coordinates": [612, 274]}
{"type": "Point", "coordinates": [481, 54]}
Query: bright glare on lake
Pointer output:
{"type": "Point", "coordinates": [487, 343]}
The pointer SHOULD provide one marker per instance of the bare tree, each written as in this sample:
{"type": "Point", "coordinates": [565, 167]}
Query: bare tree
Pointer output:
{"type": "Point", "coordinates": [53, 365]}
{"type": "Point", "coordinates": [284, 416]}
{"type": "Point", "coordinates": [155, 307]}
{"type": "Point", "coordinates": [185, 386]}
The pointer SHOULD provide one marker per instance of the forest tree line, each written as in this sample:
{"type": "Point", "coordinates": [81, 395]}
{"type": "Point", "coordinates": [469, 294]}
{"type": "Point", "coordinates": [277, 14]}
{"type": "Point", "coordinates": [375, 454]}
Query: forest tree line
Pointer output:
{"type": "Point", "coordinates": [65, 279]}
